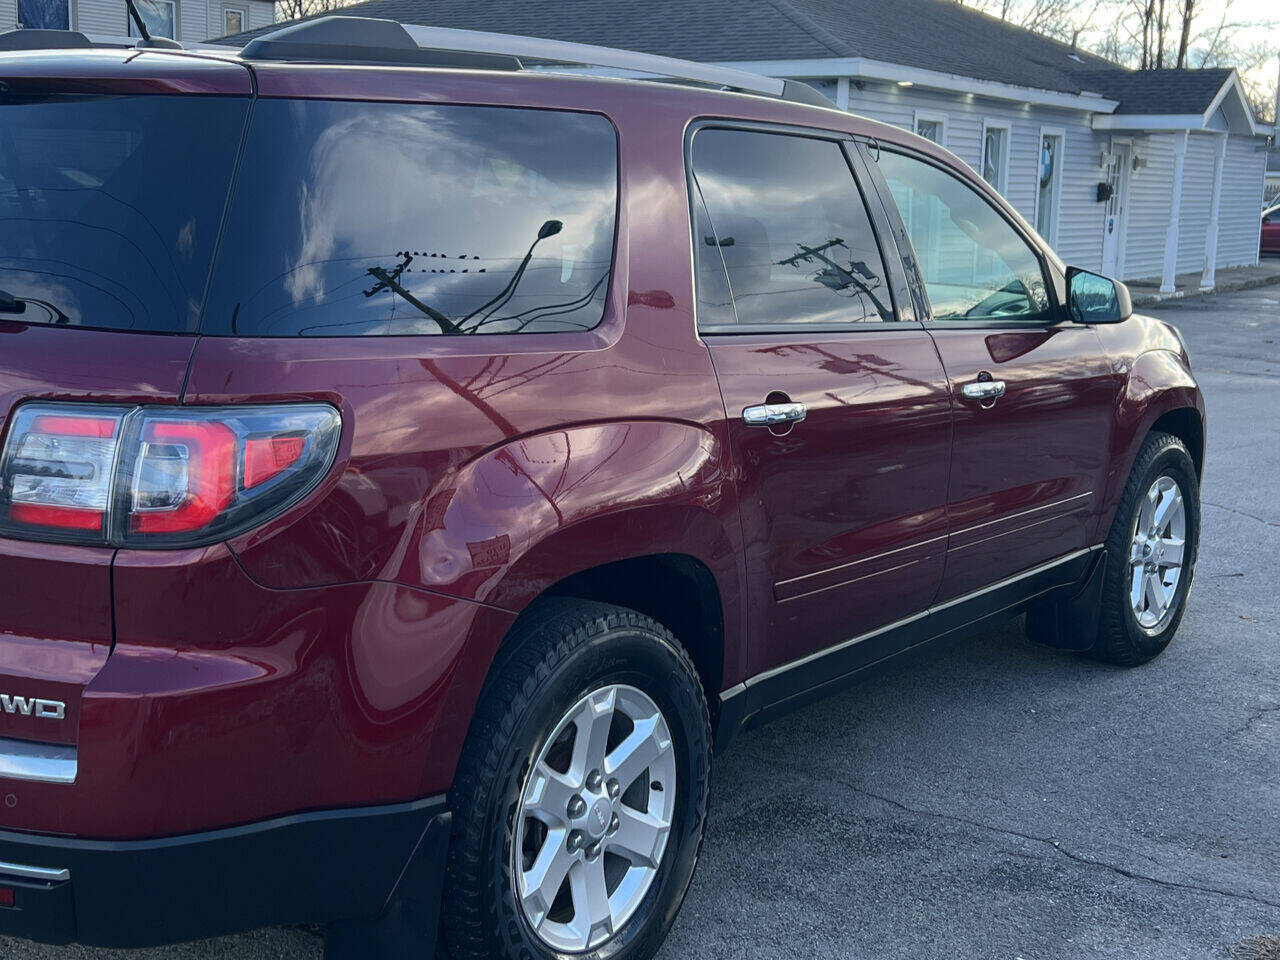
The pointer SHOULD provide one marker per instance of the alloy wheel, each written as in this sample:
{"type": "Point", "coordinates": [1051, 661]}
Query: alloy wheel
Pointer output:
{"type": "Point", "coordinates": [1157, 552]}
{"type": "Point", "coordinates": [595, 816]}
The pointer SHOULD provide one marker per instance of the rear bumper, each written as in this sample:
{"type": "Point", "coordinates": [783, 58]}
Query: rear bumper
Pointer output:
{"type": "Point", "coordinates": [332, 865]}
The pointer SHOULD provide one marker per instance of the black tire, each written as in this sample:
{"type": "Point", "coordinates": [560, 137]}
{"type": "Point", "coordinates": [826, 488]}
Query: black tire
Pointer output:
{"type": "Point", "coordinates": [1121, 638]}
{"type": "Point", "coordinates": [560, 651]}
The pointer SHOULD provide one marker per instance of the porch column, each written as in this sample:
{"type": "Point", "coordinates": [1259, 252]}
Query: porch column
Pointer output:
{"type": "Point", "coordinates": [1215, 204]}
{"type": "Point", "coordinates": [1168, 284]}
{"type": "Point", "coordinates": [842, 93]}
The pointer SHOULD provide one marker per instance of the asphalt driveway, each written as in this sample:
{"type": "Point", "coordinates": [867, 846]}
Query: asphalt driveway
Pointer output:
{"type": "Point", "coordinates": [1004, 801]}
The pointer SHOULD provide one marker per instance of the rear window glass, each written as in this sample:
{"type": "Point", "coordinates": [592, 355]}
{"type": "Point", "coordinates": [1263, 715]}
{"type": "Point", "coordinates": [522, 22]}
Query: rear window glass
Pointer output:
{"type": "Point", "coordinates": [110, 206]}
{"type": "Point", "coordinates": [385, 219]}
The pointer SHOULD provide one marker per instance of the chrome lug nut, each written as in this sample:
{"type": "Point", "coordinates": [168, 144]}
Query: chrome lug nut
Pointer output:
{"type": "Point", "coordinates": [594, 780]}
{"type": "Point", "coordinates": [593, 851]}
{"type": "Point", "coordinates": [614, 825]}
{"type": "Point", "coordinates": [577, 808]}
{"type": "Point", "coordinates": [576, 840]}
{"type": "Point", "coordinates": [615, 789]}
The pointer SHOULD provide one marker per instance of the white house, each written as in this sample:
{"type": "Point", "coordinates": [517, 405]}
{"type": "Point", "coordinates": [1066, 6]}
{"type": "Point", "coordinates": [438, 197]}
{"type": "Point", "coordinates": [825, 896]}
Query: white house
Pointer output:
{"type": "Point", "coordinates": [1139, 174]}
{"type": "Point", "coordinates": [187, 20]}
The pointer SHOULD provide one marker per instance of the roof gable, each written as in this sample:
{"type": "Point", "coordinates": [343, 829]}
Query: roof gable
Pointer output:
{"type": "Point", "coordinates": [1161, 91]}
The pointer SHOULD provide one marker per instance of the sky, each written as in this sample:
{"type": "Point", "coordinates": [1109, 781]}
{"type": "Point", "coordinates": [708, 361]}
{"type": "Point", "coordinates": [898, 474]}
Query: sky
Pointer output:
{"type": "Point", "coordinates": [1265, 14]}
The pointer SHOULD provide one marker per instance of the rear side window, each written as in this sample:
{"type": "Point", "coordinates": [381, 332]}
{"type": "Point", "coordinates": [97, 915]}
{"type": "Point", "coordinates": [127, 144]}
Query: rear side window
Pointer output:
{"type": "Point", "coordinates": [109, 207]}
{"type": "Point", "coordinates": [789, 222]}
{"type": "Point", "coordinates": [367, 219]}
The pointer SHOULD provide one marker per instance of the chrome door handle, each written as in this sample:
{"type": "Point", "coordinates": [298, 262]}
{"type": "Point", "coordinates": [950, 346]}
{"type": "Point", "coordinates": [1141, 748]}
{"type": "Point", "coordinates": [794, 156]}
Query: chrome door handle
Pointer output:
{"type": "Point", "coordinates": [983, 390]}
{"type": "Point", "coordinates": [771, 414]}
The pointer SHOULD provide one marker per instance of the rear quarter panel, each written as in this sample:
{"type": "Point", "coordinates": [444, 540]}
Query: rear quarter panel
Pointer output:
{"type": "Point", "coordinates": [488, 468]}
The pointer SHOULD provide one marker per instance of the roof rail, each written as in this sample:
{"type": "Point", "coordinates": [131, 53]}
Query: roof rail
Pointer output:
{"type": "Point", "coordinates": [364, 40]}
{"type": "Point", "coordinates": [360, 39]}
{"type": "Point", "coordinates": [28, 39]}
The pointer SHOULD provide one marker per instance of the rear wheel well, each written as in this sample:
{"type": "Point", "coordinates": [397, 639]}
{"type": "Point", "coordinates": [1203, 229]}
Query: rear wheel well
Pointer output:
{"type": "Point", "coordinates": [1184, 423]}
{"type": "Point", "coordinates": [676, 590]}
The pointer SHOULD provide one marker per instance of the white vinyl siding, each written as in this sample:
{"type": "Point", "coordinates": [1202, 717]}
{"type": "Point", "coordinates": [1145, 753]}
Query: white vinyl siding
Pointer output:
{"type": "Point", "coordinates": [1238, 221]}
{"type": "Point", "coordinates": [1238, 213]}
{"type": "Point", "coordinates": [1197, 196]}
{"type": "Point", "coordinates": [1081, 217]}
{"type": "Point", "coordinates": [1079, 213]}
{"type": "Point", "coordinates": [197, 19]}
{"type": "Point", "coordinates": [1149, 206]}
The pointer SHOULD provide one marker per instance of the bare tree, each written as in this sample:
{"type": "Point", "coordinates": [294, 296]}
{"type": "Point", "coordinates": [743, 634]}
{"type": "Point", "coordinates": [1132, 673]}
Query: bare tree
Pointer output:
{"type": "Point", "coordinates": [1063, 20]}
{"type": "Point", "coordinates": [1184, 40]}
{"type": "Point", "coordinates": [1154, 34]}
{"type": "Point", "coordinates": [293, 9]}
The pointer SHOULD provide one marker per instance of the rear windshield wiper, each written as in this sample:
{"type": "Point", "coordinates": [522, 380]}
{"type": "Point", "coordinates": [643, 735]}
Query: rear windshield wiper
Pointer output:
{"type": "Point", "coordinates": [11, 304]}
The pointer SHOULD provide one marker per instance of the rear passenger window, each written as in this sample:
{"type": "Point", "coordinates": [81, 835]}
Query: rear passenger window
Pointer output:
{"type": "Point", "coordinates": [358, 219]}
{"type": "Point", "coordinates": [791, 227]}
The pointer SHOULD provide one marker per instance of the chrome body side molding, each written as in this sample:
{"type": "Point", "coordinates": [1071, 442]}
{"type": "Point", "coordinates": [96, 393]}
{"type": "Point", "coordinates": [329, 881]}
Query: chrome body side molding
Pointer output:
{"type": "Point", "coordinates": [42, 762]}
{"type": "Point", "coordinates": [789, 685]}
{"type": "Point", "coordinates": [48, 874]}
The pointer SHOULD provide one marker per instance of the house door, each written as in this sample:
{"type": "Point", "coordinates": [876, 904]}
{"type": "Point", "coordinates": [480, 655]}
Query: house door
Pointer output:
{"type": "Point", "coordinates": [1114, 220]}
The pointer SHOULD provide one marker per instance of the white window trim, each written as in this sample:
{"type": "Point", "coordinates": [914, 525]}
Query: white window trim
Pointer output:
{"type": "Point", "coordinates": [241, 9]}
{"type": "Point", "coordinates": [130, 26]}
{"type": "Point", "coordinates": [73, 14]}
{"type": "Point", "coordinates": [1007, 127]}
{"type": "Point", "coordinates": [1056, 198]}
{"type": "Point", "coordinates": [932, 116]}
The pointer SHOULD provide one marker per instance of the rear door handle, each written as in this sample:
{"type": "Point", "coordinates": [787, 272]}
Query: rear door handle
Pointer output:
{"type": "Point", "coordinates": [772, 414]}
{"type": "Point", "coordinates": [983, 390]}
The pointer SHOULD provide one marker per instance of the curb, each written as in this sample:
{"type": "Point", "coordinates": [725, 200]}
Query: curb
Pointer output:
{"type": "Point", "coordinates": [1253, 283]}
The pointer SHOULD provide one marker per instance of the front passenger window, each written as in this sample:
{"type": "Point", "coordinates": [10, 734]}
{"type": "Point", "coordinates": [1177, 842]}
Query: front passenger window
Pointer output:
{"type": "Point", "coordinates": [974, 264]}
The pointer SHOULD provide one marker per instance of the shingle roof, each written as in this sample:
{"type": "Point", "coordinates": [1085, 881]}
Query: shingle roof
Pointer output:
{"type": "Point", "coordinates": [1159, 91]}
{"type": "Point", "coordinates": [932, 34]}
{"type": "Point", "coordinates": [938, 35]}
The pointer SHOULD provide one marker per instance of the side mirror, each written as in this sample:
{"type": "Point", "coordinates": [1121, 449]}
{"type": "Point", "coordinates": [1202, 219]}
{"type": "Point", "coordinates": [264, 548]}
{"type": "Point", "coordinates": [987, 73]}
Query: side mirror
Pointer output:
{"type": "Point", "coordinates": [1095, 299]}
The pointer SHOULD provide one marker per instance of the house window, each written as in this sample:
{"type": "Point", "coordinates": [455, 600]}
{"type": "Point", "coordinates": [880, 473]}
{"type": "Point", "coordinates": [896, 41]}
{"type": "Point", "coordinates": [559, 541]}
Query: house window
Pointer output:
{"type": "Point", "coordinates": [932, 126]}
{"type": "Point", "coordinates": [160, 16]}
{"type": "Point", "coordinates": [1049, 185]}
{"type": "Point", "coordinates": [234, 20]}
{"type": "Point", "coordinates": [995, 156]}
{"type": "Point", "coordinates": [44, 14]}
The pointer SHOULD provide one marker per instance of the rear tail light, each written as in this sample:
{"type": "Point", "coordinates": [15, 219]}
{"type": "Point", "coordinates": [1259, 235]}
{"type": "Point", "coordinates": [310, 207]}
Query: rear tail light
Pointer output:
{"type": "Point", "coordinates": [158, 476]}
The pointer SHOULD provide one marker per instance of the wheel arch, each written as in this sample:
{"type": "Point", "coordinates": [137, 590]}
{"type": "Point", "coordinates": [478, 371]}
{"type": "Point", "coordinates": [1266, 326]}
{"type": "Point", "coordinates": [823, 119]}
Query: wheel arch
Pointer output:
{"type": "Point", "coordinates": [1160, 394]}
{"type": "Point", "coordinates": [677, 590]}
{"type": "Point", "coordinates": [693, 587]}
{"type": "Point", "coordinates": [1187, 425]}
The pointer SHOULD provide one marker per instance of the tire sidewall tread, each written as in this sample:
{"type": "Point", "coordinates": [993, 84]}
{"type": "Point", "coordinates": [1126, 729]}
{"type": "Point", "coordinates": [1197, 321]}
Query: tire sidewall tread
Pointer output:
{"type": "Point", "coordinates": [1121, 640]}
{"type": "Point", "coordinates": [558, 651]}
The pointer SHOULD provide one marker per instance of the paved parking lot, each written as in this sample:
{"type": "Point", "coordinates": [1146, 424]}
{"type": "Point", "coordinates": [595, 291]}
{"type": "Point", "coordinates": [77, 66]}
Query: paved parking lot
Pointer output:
{"type": "Point", "coordinates": [1004, 801]}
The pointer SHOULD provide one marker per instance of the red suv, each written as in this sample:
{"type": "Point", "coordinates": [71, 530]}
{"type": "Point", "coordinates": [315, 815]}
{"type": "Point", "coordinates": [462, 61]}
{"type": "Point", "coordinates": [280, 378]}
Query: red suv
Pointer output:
{"type": "Point", "coordinates": [413, 466]}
